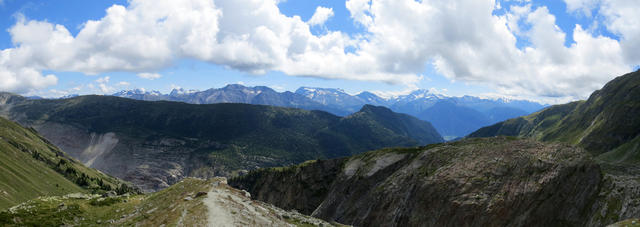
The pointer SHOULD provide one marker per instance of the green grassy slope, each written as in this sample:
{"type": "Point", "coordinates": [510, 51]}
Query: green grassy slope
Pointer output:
{"type": "Point", "coordinates": [30, 166]}
{"type": "Point", "coordinates": [164, 207]}
{"type": "Point", "coordinates": [606, 122]}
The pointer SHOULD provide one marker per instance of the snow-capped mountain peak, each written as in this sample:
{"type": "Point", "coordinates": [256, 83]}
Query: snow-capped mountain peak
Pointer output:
{"type": "Point", "coordinates": [182, 91]}
{"type": "Point", "coordinates": [137, 91]}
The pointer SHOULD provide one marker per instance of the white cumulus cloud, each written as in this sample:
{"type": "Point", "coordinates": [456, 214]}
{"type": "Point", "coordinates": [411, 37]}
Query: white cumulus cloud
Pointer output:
{"type": "Point", "coordinates": [321, 15]}
{"type": "Point", "coordinates": [462, 39]}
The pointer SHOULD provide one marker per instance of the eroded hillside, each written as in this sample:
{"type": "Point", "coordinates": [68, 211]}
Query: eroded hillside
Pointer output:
{"type": "Point", "coordinates": [30, 166]}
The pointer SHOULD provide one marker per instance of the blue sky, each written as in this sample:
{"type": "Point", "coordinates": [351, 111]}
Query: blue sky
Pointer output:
{"type": "Point", "coordinates": [436, 63]}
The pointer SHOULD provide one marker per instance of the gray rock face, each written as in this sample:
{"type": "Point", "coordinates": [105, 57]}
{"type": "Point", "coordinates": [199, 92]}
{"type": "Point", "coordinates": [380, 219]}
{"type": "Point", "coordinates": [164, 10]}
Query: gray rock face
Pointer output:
{"type": "Point", "coordinates": [301, 188]}
{"type": "Point", "coordinates": [476, 182]}
{"type": "Point", "coordinates": [619, 197]}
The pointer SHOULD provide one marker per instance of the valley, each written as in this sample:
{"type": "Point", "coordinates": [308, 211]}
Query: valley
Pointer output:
{"type": "Point", "coordinates": [156, 144]}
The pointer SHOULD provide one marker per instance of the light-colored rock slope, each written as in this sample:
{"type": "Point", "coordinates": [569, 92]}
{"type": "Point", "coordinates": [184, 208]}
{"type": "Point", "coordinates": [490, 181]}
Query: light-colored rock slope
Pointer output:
{"type": "Point", "coordinates": [228, 206]}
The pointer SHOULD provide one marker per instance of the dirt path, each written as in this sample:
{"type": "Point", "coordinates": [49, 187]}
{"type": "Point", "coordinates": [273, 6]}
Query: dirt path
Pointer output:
{"type": "Point", "coordinates": [217, 214]}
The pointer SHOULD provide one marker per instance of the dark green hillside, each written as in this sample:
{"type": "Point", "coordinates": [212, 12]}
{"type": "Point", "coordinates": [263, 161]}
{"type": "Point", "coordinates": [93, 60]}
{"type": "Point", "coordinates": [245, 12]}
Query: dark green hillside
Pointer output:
{"type": "Point", "coordinates": [30, 166]}
{"type": "Point", "coordinates": [374, 127]}
{"type": "Point", "coordinates": [155, 144]}
{"type": "Point", "coordinates": [609, 121]}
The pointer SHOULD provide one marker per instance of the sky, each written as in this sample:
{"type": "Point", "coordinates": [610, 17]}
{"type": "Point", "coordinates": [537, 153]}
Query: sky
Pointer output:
{"type": "Point", "coordinates": [548, 51]}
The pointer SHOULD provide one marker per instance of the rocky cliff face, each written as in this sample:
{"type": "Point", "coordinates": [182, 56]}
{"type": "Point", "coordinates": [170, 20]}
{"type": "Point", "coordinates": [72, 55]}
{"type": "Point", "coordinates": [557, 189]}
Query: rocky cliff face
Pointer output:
{"type": "Point", "coordinates": [475, 182]}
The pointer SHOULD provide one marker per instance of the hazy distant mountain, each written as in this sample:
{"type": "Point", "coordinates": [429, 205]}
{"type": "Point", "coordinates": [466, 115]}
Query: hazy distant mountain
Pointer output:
{"type": "Point", "coordinates": [472, 113]}
{"type": "Point", "coordinates": [333, 97]}
{"type": "Point", "coordinates": [234, 93]}
{"type": "Point", "coordinates": [458, 116]}
{"type": "Point", "coordinates": [452, 120]}
{"type": "Point", "coordinates": [416, 102]}
{"type": "Point", "coordinates": [373, 99]}
{"type": "Point", "coordinates": [139, 94]}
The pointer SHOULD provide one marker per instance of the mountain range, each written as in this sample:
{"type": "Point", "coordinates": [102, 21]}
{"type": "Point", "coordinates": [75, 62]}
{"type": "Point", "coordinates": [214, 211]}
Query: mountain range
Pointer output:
{"type": "Point", "coordinates": [567, 165]}
{"type": "Point", "coordinates": [156, 144]}
{"type": "Point", "coordinates": [452, 116]}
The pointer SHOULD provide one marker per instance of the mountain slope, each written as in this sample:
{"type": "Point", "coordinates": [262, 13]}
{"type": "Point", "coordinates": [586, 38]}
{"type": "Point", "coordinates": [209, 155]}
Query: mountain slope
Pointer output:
{"type": "Point", "coordinates": [606, 121]}
{"type": "Point", "coordinates": [474, 182]}
{"type": "Point", "coordinates": [402, 124]}
{"type": "Point", "coordinates": [155, 144]}
{"type": "Point", "coordinates": [30, 166]}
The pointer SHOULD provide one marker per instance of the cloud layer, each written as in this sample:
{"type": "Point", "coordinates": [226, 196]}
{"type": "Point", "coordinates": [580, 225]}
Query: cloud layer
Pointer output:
{"type": "Point", "coordinates": [464, 40]}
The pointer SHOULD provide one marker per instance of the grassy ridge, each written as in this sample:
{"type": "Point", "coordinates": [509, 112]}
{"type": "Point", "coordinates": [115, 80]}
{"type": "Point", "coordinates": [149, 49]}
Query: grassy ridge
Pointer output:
{"type": "Point", "coordinates": [164, 207]}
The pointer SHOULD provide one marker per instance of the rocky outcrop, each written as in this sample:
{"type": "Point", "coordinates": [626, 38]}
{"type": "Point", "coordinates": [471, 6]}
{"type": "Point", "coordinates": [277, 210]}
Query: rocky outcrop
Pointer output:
{"type": "Point", "coordinates": [475, 182]}
{"type": "Point", "coordinates": [619, 196]}
{"type": "Point", "coordinates": [301, 187]}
